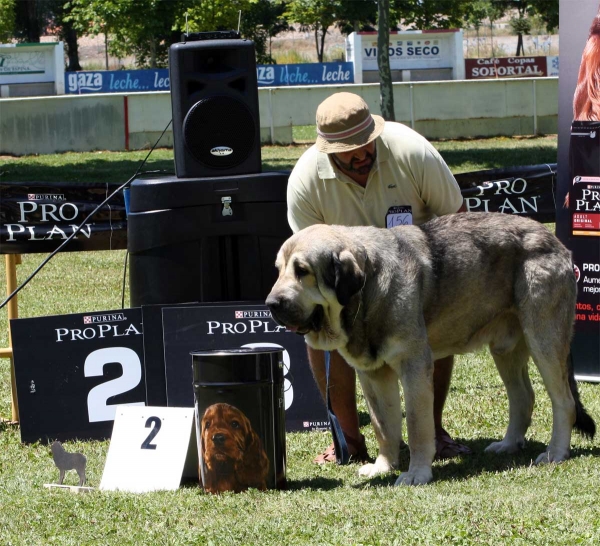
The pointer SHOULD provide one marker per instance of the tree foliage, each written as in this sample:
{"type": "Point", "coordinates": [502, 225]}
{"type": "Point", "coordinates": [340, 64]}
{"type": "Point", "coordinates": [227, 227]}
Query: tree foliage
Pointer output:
{"type": "Point", "coordinates": [524, 10]}
{"type": "Point", "coordinates": [146, 28]}
{"type": "Point", "coordinates": [7, 21]}
{"type": "Point", "coordinates": [261, 23]}
{"type": "Point", "coordinates": [143, 28]}
{"type": "Point", "coordinates": [429, 14]}
{"type": "Point", "coordinates": [315, 16]}
{"type": "Point", "coordinates": [356, 15]}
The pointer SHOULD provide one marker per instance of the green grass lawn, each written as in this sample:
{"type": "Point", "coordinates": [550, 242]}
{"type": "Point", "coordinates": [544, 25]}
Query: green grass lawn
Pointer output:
{"type": "Point", "coordinates": [480, 499]}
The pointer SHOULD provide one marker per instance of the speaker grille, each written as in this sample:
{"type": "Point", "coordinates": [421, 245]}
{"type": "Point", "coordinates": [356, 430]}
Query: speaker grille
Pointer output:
{"type": "Point", "coordinates": [219, 124]}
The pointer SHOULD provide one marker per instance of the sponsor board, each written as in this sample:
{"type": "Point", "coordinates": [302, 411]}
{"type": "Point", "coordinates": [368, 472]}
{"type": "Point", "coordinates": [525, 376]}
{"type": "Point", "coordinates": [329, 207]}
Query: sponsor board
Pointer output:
{"type": "Point", "coordinates": [71, 371]}
{"type": "Point", "coordinates": [508, 67]}
{"type": "Point", "coordinates": [578, 180]}
{"type": "Point", "coordinates": [526, 191]}
{"type": "Point", "coordinates": [408, 50]}
{"type": "Point", "coordinates": [132, 81]}
{"type": "Point", "coordinates": [33, 63]}
{"type": "Point", "coordinates": [38, 217]}
{"type": "Point", "coordinates": [208, 327]}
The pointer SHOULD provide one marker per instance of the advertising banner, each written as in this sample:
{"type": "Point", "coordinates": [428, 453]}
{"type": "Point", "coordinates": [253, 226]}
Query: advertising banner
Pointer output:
{"type": "Point", "coordinates": [33, 63]}
{"type": "Point", "coordinates": [210, 327]}
{"type": "Point", "coordinates": [39, 216]}
{"type": "Point", "coordinates": [71, 371]}
{"type": "Point", "coordinates": [408, 50]}
{"type": "Point", "coordinates": [116, 81]}
{"type": "Point", "coordinates": [508, 67]}
{"type": "Point", "coordinates": [578, 181]}
{"type": "Point", "coordinates": [526, 190]}
{"type": "Point", "coordinates": [274, 75]}
{"type": "Point", "coordinates": [132, 81]}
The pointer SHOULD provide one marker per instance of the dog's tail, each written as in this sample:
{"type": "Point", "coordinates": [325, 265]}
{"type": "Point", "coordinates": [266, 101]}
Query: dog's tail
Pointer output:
{"type": "Point", "coordinates": [584, 424]}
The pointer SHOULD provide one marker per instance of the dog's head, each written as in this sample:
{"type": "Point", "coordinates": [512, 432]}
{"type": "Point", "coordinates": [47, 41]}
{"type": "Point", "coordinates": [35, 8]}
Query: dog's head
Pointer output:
{"type": "Point", "coordinates": [320, 269]}
{"type": "Point", "coordinates": [232, 452]}
{"type": "Point", "coordinates": [226, 433]}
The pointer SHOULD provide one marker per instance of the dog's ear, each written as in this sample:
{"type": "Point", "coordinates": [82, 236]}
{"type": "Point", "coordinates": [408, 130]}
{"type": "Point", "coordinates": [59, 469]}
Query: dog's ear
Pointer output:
{"type": "Point", "coordinates": [349, 275]}
{"type": "Point", "coordinates": [253, 469]}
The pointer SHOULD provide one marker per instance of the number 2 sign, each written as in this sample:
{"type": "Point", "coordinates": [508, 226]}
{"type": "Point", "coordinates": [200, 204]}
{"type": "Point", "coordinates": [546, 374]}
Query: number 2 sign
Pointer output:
{"type": "Point", "coordinates": [71, 372]}
{"type": "Point", "coordinates": [151, 448]}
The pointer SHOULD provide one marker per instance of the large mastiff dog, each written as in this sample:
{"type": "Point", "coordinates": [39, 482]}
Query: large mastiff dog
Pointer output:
{"type": "Point", "coordinates": [391, 301]}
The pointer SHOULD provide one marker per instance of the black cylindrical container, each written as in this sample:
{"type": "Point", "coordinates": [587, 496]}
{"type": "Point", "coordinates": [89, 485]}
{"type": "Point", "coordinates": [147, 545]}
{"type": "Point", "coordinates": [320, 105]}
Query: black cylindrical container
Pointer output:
{"type": "Point", "coordinates": [240, 418]}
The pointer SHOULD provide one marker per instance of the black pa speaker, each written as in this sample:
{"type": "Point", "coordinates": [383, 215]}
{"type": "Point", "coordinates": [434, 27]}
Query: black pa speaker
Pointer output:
{"type": "Point", "coordinates": [214, 96]}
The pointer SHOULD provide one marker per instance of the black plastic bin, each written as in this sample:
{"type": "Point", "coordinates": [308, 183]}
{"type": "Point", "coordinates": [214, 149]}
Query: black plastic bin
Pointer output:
{"type": "Point", "coordinates": [240, 418]}
{"type": "Point", "coordinates": [205, 239]}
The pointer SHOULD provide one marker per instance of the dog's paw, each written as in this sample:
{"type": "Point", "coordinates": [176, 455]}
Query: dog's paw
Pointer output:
{"type": "Point", "coordinates": [505, 447]}
{"type": "Point", "coordinates": [552, 456]}
{"type": "Point", "coordinates": [419, 476]}
{"type": "Point", "coordinates": [380, 466]}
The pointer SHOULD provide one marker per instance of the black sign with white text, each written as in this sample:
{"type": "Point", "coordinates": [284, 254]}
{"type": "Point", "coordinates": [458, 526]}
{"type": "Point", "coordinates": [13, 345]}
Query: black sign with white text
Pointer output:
{"type": "Point", "coordinates": [39, 216]}
{"type": "Point", "coordinates": [578, 188]}
{"type": "Point", "coordinates": [71, 371]}
{"type": "Point", "coordinates": [208, 327]}
{"type": "Point", "coordinates": [526, 191]}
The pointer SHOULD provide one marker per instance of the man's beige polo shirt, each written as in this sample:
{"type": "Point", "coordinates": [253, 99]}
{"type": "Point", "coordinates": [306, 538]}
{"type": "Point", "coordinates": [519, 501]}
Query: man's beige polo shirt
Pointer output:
{"type": "Point", "coordinates": [408, 171]}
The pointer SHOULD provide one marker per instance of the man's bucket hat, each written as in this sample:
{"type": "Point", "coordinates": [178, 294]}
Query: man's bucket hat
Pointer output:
{"type": "Point", "coordinates": [344, 123]}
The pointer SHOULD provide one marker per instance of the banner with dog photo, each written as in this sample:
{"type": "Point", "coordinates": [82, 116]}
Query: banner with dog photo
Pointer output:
{"type": "Point", "coordinates": [578, 182]}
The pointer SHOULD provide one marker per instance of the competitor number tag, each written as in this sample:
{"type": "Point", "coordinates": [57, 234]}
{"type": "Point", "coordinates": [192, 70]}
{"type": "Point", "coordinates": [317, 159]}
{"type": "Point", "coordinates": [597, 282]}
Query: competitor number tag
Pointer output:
{"type": "Point", "coordinates": [398, 216]}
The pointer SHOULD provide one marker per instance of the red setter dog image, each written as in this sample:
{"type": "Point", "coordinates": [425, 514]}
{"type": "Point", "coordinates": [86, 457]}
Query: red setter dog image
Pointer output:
{"type": "Point", "coordinates": [233, 455]}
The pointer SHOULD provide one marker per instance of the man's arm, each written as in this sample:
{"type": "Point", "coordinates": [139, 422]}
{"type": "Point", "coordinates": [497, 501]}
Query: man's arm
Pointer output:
{"type": "Point", "coordinates": [301, 211]}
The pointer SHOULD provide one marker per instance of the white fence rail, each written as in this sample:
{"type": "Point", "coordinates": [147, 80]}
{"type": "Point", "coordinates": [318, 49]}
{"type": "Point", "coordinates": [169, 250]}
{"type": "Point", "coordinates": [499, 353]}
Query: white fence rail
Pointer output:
{"type": "Point", "coordinates": [444, 109]}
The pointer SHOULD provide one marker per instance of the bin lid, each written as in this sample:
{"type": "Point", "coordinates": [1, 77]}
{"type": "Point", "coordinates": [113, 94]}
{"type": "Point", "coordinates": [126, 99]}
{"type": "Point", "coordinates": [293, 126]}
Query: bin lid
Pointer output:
{"type": "Point", "coordinates": [169, 192]}
{"type": "Point", "coordinates": [237, 351]}
{"type": "Point", "coordinates": [237, 365]}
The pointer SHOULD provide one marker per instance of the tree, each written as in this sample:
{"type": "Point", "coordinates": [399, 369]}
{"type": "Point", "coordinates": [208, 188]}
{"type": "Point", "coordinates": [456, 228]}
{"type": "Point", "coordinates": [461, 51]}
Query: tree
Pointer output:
{"type": "Point", "coordinates": [29, 20]}
{"type": "Point", "coordinates": [143, 28]}
{"type": "Point", "coordinates": [520, 25]}
{"type": "Point", "coordinates": [261, 23]}
{"type": "Point", "coordinates": [314, 15]}
{"type": "Point", "coordinates": [428, 14]}
{"type": "Point", "coordinates": [383, 61]}
{"type": "Point", "coordinates": [7, 21]}
{"type": "Point", "coordinates": [547, 10]}
{"type": "Point", "coordinates": [476, 12]}
{"type": "Point", "coordinates": [60, 14]}
{"type": "Point", "coordinates": [207, 15]}
{"type": "Point", "coordinates": [353, 16]}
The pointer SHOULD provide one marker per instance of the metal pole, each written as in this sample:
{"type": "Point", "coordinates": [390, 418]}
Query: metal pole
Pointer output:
{"type": "Point", "coordinates": [11, 261]}
{"type": "Point", "coordinates": [412, 106]}
{"type": "Point", "coordinates": [535, 127]}
{"type": "Point", "coordinates": [271, 117]}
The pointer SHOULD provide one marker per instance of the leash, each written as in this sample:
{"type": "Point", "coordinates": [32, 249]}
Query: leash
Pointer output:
{"type": "Point", "coordinates": [339, 441]}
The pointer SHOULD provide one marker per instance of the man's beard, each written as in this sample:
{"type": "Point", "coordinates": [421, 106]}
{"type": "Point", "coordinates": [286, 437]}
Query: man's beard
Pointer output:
{"type": "Point", "coordinates": [350, 167]}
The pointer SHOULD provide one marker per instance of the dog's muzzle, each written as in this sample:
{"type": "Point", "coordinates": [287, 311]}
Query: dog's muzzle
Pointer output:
{"type": "Point", "coordinates": [289, 316]}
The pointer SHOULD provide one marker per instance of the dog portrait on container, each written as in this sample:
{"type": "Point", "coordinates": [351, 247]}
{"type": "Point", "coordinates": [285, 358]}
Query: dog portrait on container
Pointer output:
{"type": "Point", "coordinates": [233, 456]}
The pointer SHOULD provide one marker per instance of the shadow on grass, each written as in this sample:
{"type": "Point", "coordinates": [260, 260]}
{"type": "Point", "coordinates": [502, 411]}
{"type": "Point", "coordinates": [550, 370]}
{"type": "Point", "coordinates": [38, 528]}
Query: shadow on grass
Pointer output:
{"type": "Point", "coordinates": [91, 170]}
{"type": "Point", "coordinates": [100, 169]}
{"type": "Point", "coordinates": [469, 466]}
{"type": "Point", "coordinates": [492, 158]}
{"type": "Point", "coordinates": [315, 484]}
